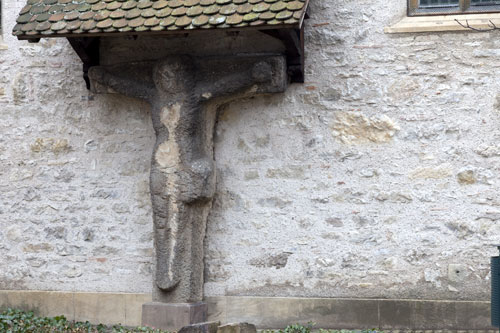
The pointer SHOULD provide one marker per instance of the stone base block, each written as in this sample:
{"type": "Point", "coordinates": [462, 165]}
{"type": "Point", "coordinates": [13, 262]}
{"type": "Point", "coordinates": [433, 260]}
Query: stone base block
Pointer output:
{"type": "Point", "coordinates": [237, 328]}
{"type": "Point", "coordinates": [208, 327]}
{"type": "Point", "coordinates": [172, 317]}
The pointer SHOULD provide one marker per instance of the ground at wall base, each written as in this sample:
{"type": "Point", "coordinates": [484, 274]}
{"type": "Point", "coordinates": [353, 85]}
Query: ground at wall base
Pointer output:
{"type": "Point", "coordinates": [266, 312]}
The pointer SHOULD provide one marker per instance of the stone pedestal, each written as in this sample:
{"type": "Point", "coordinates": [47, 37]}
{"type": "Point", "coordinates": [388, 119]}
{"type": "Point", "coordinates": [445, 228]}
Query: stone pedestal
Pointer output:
{"type": "Point", "coordinates": [173, 316]}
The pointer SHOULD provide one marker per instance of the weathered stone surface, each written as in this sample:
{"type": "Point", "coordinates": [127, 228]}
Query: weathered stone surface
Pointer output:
{"type": "Point", "coordinates": [488, 151]}
{"type": "Point", "coordinates": [207, 327]}
{"type": "Point", "coordinates": [437, 172]}
{"type": "Point", "coordinates": [350, 127]}
{"type": "Point", "coordinates": [405, 315]}
{"type": "Point", "coordinates": [278, 261]}
{"type": "Point", "coordinates": [106, 308]}
{"type": "Point", "coordinates": [335, 222]}
{"type": "Point", "coordinates": [466, 177]}
{"type": "Point", "coordinates": [172, 316]}
{"type": "Point", "coordinates": [237, 328]}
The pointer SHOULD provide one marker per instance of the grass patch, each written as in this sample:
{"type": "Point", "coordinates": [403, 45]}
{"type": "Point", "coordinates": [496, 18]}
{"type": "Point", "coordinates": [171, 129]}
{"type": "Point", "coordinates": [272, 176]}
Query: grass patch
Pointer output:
{"type": "Point", "coordinates": [18, 321]}
{"type": "Point", "coordinates": [309, 328]}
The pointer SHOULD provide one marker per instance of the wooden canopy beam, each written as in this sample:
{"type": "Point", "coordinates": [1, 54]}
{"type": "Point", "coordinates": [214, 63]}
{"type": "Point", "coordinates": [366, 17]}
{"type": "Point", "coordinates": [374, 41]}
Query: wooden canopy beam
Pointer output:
{"type": "Point", "coordinates": [293, 39]}
{"type": "Point", "coordinates": [87, 48]}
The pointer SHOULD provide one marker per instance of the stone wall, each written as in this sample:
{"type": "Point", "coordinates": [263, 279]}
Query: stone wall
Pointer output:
{"type": "Point", "coordinates": [75, 212]}
{"type": "Point", "coordinates": [376, 178]}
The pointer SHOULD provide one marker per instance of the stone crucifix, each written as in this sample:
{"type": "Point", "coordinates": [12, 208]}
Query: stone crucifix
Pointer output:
{"type": "Point", "coordinates": [185, 93]}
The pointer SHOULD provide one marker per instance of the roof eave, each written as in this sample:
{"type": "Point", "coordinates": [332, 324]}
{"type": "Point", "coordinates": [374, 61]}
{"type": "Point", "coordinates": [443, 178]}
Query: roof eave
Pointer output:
{"type": "Point", "coordinates": [164, 32]}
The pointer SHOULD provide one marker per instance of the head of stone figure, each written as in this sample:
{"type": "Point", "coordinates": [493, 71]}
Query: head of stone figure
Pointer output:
{"type": "Point", "coordinates": [173, 75]}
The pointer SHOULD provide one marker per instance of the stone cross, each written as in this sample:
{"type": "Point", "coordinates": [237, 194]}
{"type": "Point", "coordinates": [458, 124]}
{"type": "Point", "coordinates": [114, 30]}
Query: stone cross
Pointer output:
{"type": "Point", "coordinates": [185, 93]}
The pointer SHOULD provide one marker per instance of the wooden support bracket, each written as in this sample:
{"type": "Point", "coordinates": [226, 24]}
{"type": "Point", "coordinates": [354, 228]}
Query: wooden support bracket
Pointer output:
{"type": "Point", "coordinates": [87, 49]}
{"type": "Point", "coordinates": [293, 39]}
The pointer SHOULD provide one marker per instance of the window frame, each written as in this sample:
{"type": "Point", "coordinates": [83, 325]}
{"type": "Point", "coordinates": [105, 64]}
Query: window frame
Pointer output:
{"type": "Point", "coordinates": [463, 8]}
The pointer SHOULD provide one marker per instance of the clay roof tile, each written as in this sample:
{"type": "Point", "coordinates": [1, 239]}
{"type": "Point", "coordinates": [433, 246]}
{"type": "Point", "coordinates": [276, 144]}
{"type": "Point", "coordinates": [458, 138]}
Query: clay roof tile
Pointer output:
{"type": "Point", "coordinates": [65, 18]}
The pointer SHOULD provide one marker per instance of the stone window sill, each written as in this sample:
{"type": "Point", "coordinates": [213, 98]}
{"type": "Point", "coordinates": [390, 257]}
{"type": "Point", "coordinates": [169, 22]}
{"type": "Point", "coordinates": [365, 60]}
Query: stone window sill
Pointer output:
{"type": "Point", "coordinates": [443, 23]}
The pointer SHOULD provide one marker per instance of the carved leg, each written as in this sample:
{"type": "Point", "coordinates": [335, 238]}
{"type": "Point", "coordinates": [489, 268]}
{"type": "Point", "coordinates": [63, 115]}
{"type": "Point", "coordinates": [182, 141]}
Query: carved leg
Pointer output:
{"type": "Point", "coordinates": [186, 258]}
{"type": "Point", "coordinates": [182, 188]}
{"type": "Point", "coordinates": [167, 223]}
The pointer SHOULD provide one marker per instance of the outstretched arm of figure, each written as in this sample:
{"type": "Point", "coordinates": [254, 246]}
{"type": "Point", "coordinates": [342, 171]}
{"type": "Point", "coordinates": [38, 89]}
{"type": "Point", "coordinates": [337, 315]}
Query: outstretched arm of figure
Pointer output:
{"type": "Point", "coordinates": [121, 84]}
{"type": "Point", "coordinates": [265, 76]}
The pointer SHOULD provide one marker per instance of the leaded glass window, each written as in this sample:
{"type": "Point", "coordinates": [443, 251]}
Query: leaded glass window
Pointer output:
{"type": "Point", "coordinates": [483, 2]}
{"type": "Point", "coordinates": [440, 7]}
{"type": "Point", "coordinates": [438, 3]}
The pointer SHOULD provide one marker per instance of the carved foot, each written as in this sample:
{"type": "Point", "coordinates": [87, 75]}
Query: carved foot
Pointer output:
{"type": "Point", "coordinates": [166, 284]}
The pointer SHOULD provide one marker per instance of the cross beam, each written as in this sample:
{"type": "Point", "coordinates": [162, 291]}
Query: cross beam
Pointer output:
{"type": "Point", "coordinates": [87, 49]}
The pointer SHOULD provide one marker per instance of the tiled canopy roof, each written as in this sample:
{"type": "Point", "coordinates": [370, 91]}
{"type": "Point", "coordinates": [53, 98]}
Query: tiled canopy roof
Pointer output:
{"type": "Point", "coordinates": [74, 18]}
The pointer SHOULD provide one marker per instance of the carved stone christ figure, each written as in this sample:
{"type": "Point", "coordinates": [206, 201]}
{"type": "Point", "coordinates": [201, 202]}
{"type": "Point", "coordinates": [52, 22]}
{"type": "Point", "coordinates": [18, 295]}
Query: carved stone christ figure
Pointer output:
{"type": "Point", "coordinates": [185, 93]}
